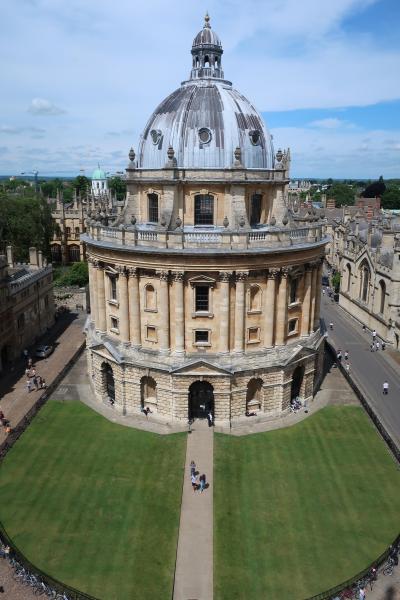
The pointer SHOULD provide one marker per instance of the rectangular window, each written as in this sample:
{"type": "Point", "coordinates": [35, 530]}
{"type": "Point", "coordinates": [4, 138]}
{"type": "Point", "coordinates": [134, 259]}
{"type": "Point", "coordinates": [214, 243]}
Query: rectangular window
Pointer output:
{"type": "Point", "coordinates": [201, 337]}
{"type": "Point", "coordinates": [153, 208]}
{"type": "Point", "coordinates": [151, 333]}
{"type": "Point", "coordinates": [253, 335]}
{"type": "Point", "coordinates": [293, 291]}
{"type": "Point", "coordinates": [204, 209]}
{"type": "Point", "coordinates": [292, 325]}
{"type": "Point", "coordinates": [21, 321]}
{"type": "Point", "coordinates": [113, 288]}
{"type": "Point", "coordinates": [114, 323]}
{"type": "Point", "coordinates": [202, 293]}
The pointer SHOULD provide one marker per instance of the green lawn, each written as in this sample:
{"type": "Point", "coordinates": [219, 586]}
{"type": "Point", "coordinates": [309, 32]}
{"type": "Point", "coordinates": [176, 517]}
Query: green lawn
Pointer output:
{"type": "Point", "coordinates": [298, 510]}
{"type": "Point", "coordinates": [95, 504]}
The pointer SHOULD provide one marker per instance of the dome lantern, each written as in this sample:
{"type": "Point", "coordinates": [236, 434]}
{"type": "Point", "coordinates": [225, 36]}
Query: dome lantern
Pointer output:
{"type": "Point", "coordinates": [206, 53]}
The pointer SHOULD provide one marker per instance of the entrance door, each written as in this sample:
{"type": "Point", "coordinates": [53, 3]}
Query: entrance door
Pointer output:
{"type": "Point", "coordinates": [297, 380]}
{"type": "Point", "coordinates": [201, 399]}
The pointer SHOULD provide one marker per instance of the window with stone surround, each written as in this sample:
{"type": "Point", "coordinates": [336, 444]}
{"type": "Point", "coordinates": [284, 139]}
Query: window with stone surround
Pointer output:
{"type": "Point", "coordinates": [253, 335]}
{"type": "Point", "coordinates": [113, 288]}
{"type": "Point", "coordinates": [293, 326]}
{"type": "Point", "coordinates": [202, 337]}
{"type": "Point", "coordinates": [152, 208]}
{"type": "Point", "coordinates": [202, 293]}
{"type": "Point", "coordinates": [203, 209]}
{"type": "Point", "coordinates": [114, 324]}
{"type": "Point", "coordinates": [293, 291]}
{"type": "Point", "coordinates": [254, 296]}
{"type": "Point", "coordinates": [151, 333]}
{"type": "Point", "coordinates": [150, 298]}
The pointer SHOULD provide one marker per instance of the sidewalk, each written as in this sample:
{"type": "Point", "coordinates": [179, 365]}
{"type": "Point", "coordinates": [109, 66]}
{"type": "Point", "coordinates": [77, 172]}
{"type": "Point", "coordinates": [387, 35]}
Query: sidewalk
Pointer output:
{"type": "Point", "coordinates": [194, 562]}
{"type": "Point", "coordinates": [15, 400]}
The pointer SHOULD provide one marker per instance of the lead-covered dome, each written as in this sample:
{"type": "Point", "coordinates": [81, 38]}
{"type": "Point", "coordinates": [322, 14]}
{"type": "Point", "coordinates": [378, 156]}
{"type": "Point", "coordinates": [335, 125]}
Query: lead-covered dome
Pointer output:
{"type": "Point", "coordinates": [206, 119]}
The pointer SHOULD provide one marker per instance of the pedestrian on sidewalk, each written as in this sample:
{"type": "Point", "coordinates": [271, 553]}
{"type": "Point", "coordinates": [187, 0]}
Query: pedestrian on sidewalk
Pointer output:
{"type": "Point", "coordinates": [346, 355]}
{"type": "Point", "coordinates": [202, 483]}
{"type": "Point", "coordinates": [364, 328]}
{"type": "Point", "coordinates": [347, 367]}
{"type": "Point", "coordinates": [383, 345]}
{"type": "Point", "coordinates": [210, 418]}
{"type": "Point", "coordinates": [331, 325]}
{"type": "Point", "coordinates": [372, 346]}
{"type": "Point", "coordinates": [385, 388]}
{"type": "Point", "coordinates": [361, 594]}
{"type": "Point", "coordinates": [192, 468]}
{"type": "Point", "coordinates": [339, 355]}
{"type": "Point", "coordinates": [377, 345]}
{"type": "Point", "coordinates": [29, 384]}
{"type": "Point", "coordinates": [194, 482]}
{"type": "Point", "coordinates": [373, 334]}
{"type": "Point", "coordinates": [30, 363]}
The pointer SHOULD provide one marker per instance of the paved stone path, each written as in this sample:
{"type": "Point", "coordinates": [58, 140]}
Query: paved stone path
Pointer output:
{"type": "Point", "coordinates": [194, 562]}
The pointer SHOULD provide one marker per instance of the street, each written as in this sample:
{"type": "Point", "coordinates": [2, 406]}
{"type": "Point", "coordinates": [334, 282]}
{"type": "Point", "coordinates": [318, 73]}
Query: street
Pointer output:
{"type": "Point", "coordinates": [368, 369]}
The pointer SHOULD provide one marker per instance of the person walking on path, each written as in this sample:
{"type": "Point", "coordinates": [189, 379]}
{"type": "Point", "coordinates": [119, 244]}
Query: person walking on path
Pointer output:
{"type": "Point", "coordinates": [361, 594]}
{"type": "Point", "coordinates": [194, 482]}
{"type": "Point", "coordinates": [192, 468]}
{"type": "Point", "coordinates": [377, 345]}
{"type": "Point", "coordinates": [372, 346]}
{"type": "Point", "coordinates": [347, 367]}
{"type": "Point", "coordinates": [346, 355]}
{"type": "Point", "coordinates": [210, 418]}
{"type": "Point", "coordinates": [331, 325]}
{"type": "Point", "coordinates": [383, 345]}
{"type": "Point", "coordinates": [385, 388]}
{"type": "Point", "coordinates": [373, 335]}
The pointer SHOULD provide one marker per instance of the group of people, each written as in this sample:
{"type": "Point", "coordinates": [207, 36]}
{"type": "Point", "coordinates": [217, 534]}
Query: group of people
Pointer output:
{"type": "Point", "coordinates": [33, 380]}
{"type": "Point", "coordinates": [5, 423]}
{"type": "Point", "coordinates": [340, 356]}
{"type": "Point", "coordinates": [198, 481]}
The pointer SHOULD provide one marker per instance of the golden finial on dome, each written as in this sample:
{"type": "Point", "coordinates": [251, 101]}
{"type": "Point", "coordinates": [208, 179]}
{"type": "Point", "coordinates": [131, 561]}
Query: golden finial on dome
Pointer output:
{"type": "Point", "coordinates": [207, 20]}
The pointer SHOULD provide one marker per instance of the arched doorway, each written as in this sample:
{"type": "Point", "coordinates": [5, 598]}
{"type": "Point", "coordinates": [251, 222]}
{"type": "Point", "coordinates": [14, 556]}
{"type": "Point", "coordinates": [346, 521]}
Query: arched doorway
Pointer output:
{"type": "Point", "coordinates": [297, 380]}
{"type": "Point", "coordinates": [201, 399]}
{"type": "Point", "coordinates": [108, 381]}
{"type": "Point", "coordinates": [254, 395]}
{"type": "Point", "coordinates": [148, 393]}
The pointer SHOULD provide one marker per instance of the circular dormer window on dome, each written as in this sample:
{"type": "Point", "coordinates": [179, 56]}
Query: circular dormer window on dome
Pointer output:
{"type": "Point", "coordinates": [205, 135]}
{"type": "Point", "coordinates": [155, 135]}
{"type": "Point", "coordinates": [255, 137]}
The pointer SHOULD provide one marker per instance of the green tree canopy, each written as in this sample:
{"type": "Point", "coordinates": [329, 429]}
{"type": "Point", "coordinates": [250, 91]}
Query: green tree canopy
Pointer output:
{"type": "Point", "coordinates": [81, 184]}
{"type": "Point", "coordinates": [391, 198]}
{"type": "Point", "coordinates": [118, 186]}
{"type": "Point", "coordinates": [75, 274]}
{"type": "Point", "coordinates": [25, 220]}
{"type": "Point", "coordinates": [343, 194]}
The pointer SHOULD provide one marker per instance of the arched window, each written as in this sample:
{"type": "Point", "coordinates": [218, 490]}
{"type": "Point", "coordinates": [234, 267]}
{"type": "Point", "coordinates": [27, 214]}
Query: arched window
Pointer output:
{"type": "Point", "coordinates": [293, 291]}
{"type": "Point", "coordinates": [203, 209]}
{"type": "Point", "coordinates": [364, 283]}
{"type": "Point", "coordinates": [152, 208]}
{"type": "Point", "coordinates": [206, 61]}
{"type": "Point", "coordinates": [108, 382]}
{"type": "Point", "coordinates": [254, 395]}
{"type": "Point", "coordinates": [74, 253]}
{"type": "Point", "coordinates": [348, 274]}
{"type": "Point", "coordinates": [255, 209]}
{"type": "Point", "coordinates": [56, 253]}
{"type": "Point", "coordinates": [254, 298]}
{"type": "Point", "coordinates": [148, 393]}
{"type": "Point", "coordinates": [382, 288]}
{"type": "Point", "coordinates": [150, 299]}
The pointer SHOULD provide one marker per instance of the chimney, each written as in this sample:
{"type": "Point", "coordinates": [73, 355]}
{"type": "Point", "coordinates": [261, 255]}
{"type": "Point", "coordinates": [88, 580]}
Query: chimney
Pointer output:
{"type": "Point", "coordinates": [33, 258]}
{"type": "Point", "coordinates": [40, 259]}
{"type": "Point", "coordinates": [10, 258]}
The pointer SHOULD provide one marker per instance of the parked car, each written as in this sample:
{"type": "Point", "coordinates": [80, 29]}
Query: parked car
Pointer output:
{"type": "Point", "coordinates": [43, 351]}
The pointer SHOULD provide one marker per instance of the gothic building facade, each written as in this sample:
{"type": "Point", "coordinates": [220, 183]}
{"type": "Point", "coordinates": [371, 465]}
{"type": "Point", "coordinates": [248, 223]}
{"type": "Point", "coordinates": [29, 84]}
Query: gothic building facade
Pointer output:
{"type": "Point", "coordinates": [205, 289]}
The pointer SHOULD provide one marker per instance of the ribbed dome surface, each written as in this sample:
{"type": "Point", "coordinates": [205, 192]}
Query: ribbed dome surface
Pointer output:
{"type": "Point", "coordinates": [206, 37]}
{"type": "Point", "coordinates": [202, 109]}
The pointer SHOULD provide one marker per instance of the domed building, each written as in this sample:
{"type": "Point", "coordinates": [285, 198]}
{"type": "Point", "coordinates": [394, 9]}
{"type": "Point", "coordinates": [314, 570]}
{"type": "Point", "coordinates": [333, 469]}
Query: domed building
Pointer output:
{"type": "Point", "coordinates": [205, 289]}
{"type": "Point", "coordinates": [99, 182]}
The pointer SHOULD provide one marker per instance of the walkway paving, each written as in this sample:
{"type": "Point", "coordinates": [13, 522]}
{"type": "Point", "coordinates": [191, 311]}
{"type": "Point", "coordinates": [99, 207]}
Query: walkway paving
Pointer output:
{"type": "Point", "coordinates": [194, 562]}
{"type": "Point", "coordinates": [66, 336]}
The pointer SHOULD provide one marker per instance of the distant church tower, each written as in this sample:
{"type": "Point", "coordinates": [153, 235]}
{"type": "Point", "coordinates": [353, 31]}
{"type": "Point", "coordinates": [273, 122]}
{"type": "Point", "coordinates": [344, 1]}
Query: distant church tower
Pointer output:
{"type": "Point", "coordinates": [99, 182]}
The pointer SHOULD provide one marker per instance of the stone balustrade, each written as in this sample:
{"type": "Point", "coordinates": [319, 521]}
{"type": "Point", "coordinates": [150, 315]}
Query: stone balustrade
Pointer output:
{"type": "Point", "coordinates": [206, 239]}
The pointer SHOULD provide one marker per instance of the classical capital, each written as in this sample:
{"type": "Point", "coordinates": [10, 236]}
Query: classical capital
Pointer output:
{"type": "Point", "coordinates": [285, 271]}
{"type": "Point", "coordinates": [273, 273]}
{"type": "Point", "coordinates": [120, 270]}
{"type": "Point", "coordinates": [133, 272]}
{"type": "Point", "coordinates": [96, 264]}
{"type": "Point", "coordinates": [225, 275]}
{"type": "Point", "coordinates": [178, 275]}
{"type": "Point", "coordinates": [163, 275]}
{"type": "Point", "coordinates": [241, 275]}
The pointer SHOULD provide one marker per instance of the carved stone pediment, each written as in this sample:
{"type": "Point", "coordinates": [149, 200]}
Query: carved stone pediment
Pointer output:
{"type": "Point", "coordinates": [107, 351]}
{"type": "Point", "coordinates": [201, 368]}
{"type": "Point", "coordinates": [201, 279]}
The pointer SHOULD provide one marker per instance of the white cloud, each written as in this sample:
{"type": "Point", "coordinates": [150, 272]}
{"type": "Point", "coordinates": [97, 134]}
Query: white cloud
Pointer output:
{"type": "Point", "coordinates": [330, 123]}
{"type": "Point", "coordinates": [40, 106]}
{"type": "Point", "coordinates": [12, 130]}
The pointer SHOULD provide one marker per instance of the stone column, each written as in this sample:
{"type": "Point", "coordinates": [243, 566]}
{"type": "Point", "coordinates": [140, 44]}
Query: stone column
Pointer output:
{"type": "Point", "coordinates": [239, 312]}
{"type": "Point", "coordinates": [224, 312]}
{"type": "Point", "coordinates": [318, 296]}
{"type": "Point", "coordinates": [92, 289]}
{"type": "Point", "coordinates": [305, 313]}
{"type": "Point", "coordinates": [123, 305]}
{"type": "Point", "coordinates": [313, 297]}
{"type": "Point", "coordinates": [134, 307]}
{"type": "Point", "coordinates": [281, 312]}
{"type": "Point", "coordinates": [164, 312]}
{"type": "Point", "coordinates": [269, 308]}
{"type": "Point", "coordinates": [179, 312]}
{"type": "Point", "coordinates": [101, 299]}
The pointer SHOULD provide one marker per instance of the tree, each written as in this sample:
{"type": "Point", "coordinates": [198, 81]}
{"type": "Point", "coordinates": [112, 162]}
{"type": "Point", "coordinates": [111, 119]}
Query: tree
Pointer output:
{"type": "Point", "coordinates": [81, 184]}
{"type": "Point", "coordinates": [49, 188]}
{"type": "Point", "coordinates": [25, 220]}
{"type": "Point", "coordinates": [336, 281]}
{"type": "Point", "coordinates": [391, 198]}
{"type": "Point", "coordinates": [76, 274]}
{"type": "Point", "coordinates": [118, 186]}
{"type": "Point", "coordinates": [343, 194]}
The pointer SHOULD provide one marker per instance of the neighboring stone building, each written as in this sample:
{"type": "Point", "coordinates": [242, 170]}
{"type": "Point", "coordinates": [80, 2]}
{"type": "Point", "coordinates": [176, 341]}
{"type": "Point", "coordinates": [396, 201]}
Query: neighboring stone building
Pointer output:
{"type": "Point", "coordinates": [205, 290]}
{"type": "Point", "coordinates": [367, 255]}
{"type": "Point", "coordinates": [26, 303]}
{"type": "Point", "coordinates": [69, 218]}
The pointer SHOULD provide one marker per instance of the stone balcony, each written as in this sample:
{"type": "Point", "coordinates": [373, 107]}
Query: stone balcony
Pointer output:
{"type": "Point", "coordinates": [202, 239]}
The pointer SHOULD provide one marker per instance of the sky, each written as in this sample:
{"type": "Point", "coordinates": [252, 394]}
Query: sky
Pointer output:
{"type": "Point", "coordinates": [79, 79]}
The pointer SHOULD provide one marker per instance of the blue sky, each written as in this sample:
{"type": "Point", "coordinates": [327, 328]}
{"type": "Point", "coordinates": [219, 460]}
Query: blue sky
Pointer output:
{"type": "Point", "coordinates": [80, 78]}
